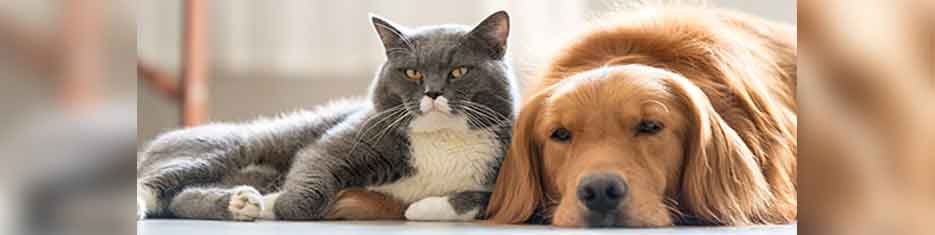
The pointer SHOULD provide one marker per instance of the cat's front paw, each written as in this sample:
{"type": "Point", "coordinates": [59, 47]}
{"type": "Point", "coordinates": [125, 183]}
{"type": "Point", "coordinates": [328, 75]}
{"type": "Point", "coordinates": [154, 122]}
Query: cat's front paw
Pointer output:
{"type": "Point", "coordinates": [246, 203]}
{"type": "Point", "coordinates": [145, 201]}
{"type": "Point", "coordinates": [436, 209]}
{"type": "Point", "coordinates": [140, 208]}
{"type": "Point", "coordinates": [269, 202]}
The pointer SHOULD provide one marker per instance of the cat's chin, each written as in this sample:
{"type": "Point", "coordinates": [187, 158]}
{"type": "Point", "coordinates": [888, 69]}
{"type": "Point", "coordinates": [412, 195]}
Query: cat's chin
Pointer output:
{"type": "Point", "coordinates": [437, 121]}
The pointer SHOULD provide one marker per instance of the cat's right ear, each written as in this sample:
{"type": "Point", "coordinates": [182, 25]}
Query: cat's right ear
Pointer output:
{"type": "Point", "coordinates": [492, 33]}
{"type": "Point", "coordinates": [392, 36]}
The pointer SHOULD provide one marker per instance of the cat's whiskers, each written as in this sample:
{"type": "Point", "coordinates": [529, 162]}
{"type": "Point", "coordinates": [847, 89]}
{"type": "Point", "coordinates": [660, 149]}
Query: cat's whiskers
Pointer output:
{"type": "Point", "coordinates": [481, 120]}
{"type": "Point", "coordinates": [394, 119]}
{"type": "Point", "coordinates": [379, 117]}
{"type": "Point", "coordinates": [393, 124]}
{"type": "Point", "coordinates": [484, 113]}
{"type": "Point", "coordinates": [506, 99]}
{"type": "Point", "coordinates": [490, 119]}
{"type": "Point", "coordinates": [485, 108]}
{"type": "Point", "coordinates": [474, 115]}
{"type": "Point", "coordinates": [376, 119]}
{"type": "Point", "coordinates": [375, 127]}
{"type": "Point", "coordinates": [471, 120]}
{"type": "Point", "coordinates": [477, 120]}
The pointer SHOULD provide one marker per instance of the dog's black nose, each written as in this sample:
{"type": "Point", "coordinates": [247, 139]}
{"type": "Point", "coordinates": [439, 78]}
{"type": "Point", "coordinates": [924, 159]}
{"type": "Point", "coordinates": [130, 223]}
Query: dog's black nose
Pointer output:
{"type": "Point", "coordinates": [433, 94]}
{"type": "Point", "coordinates": [602, 192]}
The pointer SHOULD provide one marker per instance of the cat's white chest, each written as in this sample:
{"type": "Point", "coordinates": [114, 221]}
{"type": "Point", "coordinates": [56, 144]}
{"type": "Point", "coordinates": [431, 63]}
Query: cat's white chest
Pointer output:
{"type": "Point", "coordinates": [447, 156]}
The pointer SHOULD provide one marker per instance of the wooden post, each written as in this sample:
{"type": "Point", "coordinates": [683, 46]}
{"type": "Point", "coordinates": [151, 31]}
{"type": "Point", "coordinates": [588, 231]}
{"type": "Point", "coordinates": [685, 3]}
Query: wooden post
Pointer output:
{"type": "Point", "coordinates": [194, 84]}
{"type": "Point", "coordinates": [82, 58]}
{"type": "Point", "coordinates": [162, 81]}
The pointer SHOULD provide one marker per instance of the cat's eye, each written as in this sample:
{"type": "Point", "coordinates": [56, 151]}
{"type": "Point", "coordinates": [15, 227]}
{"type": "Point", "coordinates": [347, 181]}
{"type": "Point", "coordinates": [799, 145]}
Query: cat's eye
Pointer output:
{"type": "Point", "coordinates": [458, 72]}
{"type": "Point", "coordinates": [413, 74]}
{"type": "Point", "coordinates": [561, 135]}
{"type": "Point", "coordinates": [648, 127]}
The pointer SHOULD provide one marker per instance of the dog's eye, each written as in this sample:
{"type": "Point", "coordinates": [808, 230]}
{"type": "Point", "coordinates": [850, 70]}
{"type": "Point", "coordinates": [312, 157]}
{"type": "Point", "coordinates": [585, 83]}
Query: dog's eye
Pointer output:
{"type": "Point", "coordinates": [561, 135]}
{"type": "Point", "coordinates": [649, 127]}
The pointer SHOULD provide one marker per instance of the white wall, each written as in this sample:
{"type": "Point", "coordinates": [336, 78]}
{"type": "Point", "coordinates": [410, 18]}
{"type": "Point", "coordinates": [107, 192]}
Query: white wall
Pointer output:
{"type": "Point", "coordinates": [321, 38]}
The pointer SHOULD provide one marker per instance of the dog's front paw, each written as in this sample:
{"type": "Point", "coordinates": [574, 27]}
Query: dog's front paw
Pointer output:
{"type": "Point", "coordinates": [436, 209]}
{"type": "Point", "coordinates": [246, 203]}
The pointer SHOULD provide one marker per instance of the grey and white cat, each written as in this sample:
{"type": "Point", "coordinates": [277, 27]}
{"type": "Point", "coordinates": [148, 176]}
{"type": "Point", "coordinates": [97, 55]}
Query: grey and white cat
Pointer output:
{"type": "Point", "coordinates": [431, 134]}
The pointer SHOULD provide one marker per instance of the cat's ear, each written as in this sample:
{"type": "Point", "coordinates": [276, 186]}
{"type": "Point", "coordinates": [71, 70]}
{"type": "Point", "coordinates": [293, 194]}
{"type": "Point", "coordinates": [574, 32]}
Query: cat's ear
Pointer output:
{"type": "Point", "coordinates": [392, 35]}
{"type": "Point", "coordinates": [492, 33]}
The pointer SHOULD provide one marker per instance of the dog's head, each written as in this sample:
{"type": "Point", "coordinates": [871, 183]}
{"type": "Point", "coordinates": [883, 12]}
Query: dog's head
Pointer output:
{"type": "Point", "coordinates": [630, 145]}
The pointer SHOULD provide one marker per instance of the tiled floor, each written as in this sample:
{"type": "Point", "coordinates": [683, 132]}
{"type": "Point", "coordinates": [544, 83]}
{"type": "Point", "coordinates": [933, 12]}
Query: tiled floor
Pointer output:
{"type": "Point", "coordinates": [160, 227]}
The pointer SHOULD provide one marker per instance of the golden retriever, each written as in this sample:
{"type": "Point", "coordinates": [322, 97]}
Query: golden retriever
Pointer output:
{"type": "Point", "coordinates": [662, 116]}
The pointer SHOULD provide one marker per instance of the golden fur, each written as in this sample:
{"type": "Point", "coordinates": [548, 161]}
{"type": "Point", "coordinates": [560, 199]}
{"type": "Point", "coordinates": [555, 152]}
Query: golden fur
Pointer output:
{"type": "Point", "coordinates": [360, 204]}
{"type": "Point", "coordinates": [721, 83]}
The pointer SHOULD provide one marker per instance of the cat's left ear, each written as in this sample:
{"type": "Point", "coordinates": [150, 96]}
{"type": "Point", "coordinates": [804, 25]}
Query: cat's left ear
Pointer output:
{"type": "Point", "coordinates": [392, 35]}
{"type": "Point", "coordinates": [492, 33]}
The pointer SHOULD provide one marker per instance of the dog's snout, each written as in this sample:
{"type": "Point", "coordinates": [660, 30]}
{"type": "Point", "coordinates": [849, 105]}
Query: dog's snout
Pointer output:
{"type": "Point", "coordinates": [602, 192]}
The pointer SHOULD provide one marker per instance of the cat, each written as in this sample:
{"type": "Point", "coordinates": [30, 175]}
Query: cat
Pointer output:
{"type": "Point", "coordinates": [430, 135]}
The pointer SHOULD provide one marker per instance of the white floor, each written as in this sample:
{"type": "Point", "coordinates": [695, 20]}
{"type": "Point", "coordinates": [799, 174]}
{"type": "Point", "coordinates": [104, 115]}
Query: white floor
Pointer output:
{"type": "Point", "coordinates": [200, 227]}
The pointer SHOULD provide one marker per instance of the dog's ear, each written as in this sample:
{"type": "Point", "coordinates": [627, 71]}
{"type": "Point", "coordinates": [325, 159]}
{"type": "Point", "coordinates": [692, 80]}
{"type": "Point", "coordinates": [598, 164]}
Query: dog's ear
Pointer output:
{"type": "Point", "coordinates": [518, 192]}
{"type": "Point", "coordinates": [722, 182]}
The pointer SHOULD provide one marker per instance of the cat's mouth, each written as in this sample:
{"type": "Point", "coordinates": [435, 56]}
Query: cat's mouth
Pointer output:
{"type": "Point", "coordinates": [438, 104]}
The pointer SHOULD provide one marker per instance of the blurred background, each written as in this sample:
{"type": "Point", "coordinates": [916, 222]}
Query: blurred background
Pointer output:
{"type": "Point", "coordinates": [268, 57]}
{"type": "Point", "coordinates": [67, 116]}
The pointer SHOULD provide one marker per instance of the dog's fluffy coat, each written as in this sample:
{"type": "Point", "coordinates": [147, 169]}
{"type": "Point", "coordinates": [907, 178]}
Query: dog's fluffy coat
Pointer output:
{"type": "Point", "coordinates": [729, 80]}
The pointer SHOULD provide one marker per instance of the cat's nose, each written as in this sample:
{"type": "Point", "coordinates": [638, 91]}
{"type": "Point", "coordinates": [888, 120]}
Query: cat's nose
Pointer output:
{"type": "Point", "coordinates": [433, 94]}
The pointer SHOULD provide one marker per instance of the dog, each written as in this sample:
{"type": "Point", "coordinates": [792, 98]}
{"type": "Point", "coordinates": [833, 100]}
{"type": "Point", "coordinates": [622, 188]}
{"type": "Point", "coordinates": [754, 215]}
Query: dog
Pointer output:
{"type": "Point", "coordinates": [662, 116]}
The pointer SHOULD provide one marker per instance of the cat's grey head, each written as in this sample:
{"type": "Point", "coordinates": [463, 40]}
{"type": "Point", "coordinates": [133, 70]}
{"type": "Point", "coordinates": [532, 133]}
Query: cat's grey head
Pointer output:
{"type": "Point", "coordinates": [448, 69]}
